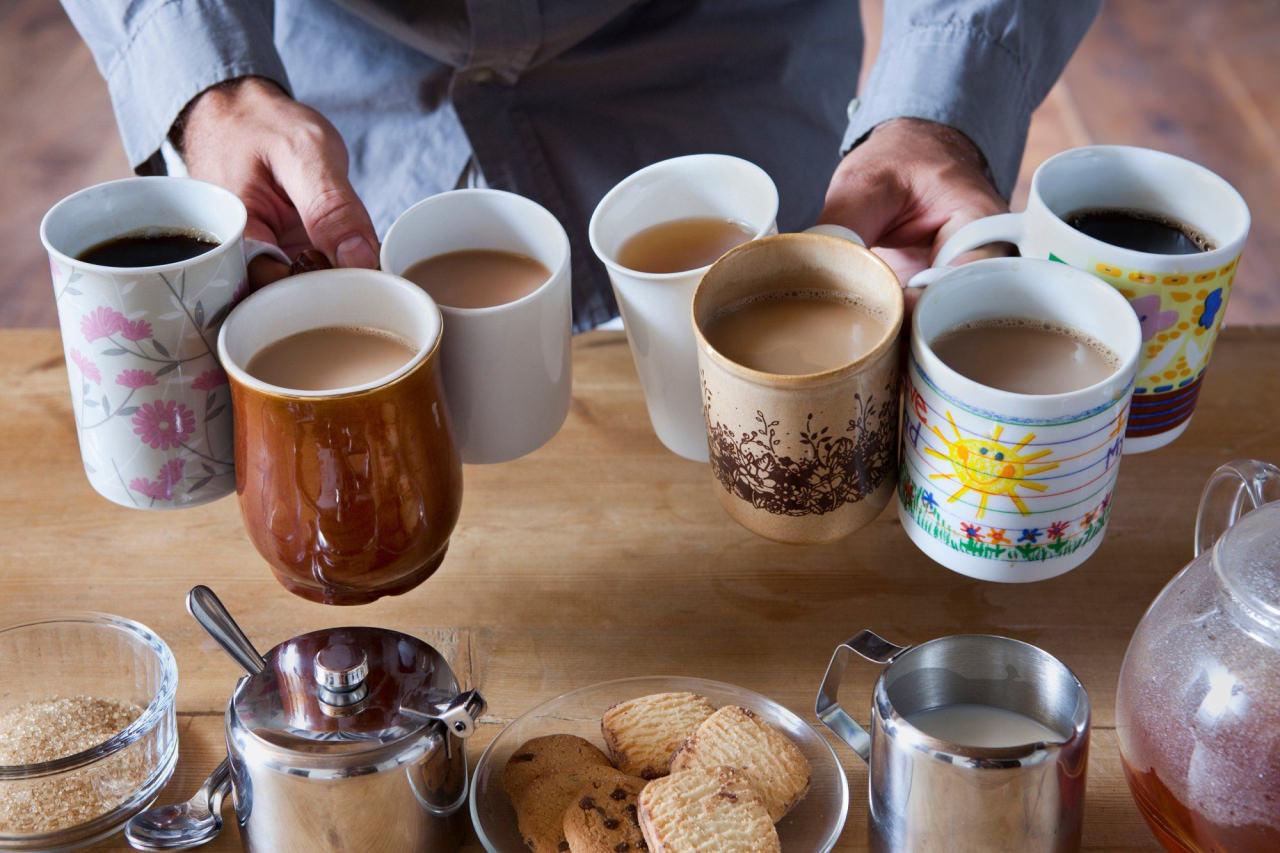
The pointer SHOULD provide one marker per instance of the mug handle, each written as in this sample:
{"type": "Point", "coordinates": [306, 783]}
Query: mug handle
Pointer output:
{"type": "Point", "coordinates": [1237, 487]}
{"type": "Point", "coordinates": [255, 248]}
{"type": "Point", "coordinates": [837, 231]}
{"type": "Point", "coordinates": [874, 648]}
{"type": "Point", "coordinates": [1001, 228]}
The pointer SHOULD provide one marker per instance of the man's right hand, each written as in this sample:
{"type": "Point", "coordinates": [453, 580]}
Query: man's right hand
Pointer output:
{"type": "Point", "coordinates": [288, 165]}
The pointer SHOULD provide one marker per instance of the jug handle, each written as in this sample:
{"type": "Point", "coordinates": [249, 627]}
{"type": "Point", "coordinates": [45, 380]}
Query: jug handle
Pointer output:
{"type": "Point", "coordinates": [1237, 487]}
{"type": "Point", "coordinates": [874, 648]}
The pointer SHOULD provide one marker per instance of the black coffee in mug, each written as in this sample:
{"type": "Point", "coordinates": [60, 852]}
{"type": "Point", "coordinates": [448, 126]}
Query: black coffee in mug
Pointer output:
{"type": "Point", "coordinates": [1140, 231]}
{"type": "Point", "coordinates": [149, 249]}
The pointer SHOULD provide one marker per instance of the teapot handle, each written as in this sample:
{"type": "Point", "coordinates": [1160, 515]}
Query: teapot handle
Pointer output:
{"type": "Point", "coordinates": [874, 648]}
{"type": "Point", "coordinates": [1235, 488]}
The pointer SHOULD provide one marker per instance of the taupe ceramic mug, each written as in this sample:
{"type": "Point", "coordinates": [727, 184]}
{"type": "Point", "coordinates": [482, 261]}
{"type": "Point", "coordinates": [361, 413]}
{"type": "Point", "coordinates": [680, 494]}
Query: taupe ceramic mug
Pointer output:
{"type": "Point", "coordinates": [802, 458]}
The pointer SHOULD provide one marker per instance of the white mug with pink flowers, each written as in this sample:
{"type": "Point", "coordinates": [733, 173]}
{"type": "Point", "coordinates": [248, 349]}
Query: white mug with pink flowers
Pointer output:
{"type": "Point", "coordinates": [152, 408]}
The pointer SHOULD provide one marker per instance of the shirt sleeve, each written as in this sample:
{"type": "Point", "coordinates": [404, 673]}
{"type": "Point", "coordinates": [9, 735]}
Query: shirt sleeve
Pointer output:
{"type": "Point", "coordinates": [156, 55]}
{"type": "Point", "coordinates": [980, 66]}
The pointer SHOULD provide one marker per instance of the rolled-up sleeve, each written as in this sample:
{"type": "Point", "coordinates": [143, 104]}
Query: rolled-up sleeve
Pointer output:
{"type": "Point", "coordinates": [156, 55]}
{"type": "Point", "coordinates": [980, 66]}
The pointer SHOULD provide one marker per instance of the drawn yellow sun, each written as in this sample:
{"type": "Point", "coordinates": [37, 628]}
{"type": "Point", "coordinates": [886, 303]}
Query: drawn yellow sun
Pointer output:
{"type": "Point", "coordinates": [989, 467]}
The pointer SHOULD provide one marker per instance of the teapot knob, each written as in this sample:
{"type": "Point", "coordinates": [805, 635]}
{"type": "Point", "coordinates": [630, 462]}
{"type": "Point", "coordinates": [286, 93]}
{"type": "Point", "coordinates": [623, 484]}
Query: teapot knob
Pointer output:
{"type": "Point", "coordinates": [340, 673]}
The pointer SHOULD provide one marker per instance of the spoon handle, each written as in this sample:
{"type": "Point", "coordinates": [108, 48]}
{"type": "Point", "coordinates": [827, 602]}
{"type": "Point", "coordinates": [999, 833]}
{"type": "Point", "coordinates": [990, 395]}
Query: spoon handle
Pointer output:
{"type": "Point", "coordinates": [214, 618]}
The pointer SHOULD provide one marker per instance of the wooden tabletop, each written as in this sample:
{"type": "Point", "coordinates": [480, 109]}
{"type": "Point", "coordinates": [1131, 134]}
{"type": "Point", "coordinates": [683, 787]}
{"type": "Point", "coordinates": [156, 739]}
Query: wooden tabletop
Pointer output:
{"type": "Point", "coordinates": [602, 555]}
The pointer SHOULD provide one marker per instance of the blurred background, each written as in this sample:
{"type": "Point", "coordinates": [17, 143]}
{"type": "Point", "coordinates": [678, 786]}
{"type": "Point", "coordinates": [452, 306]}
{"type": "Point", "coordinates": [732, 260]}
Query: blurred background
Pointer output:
{"type": "Point", "coordinates": [1195, 78]}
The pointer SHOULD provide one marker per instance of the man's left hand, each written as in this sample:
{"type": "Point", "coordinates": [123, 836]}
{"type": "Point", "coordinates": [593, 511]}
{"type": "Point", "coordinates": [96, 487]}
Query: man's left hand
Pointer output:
{"type": "Point", "coordinates": [907, 188]}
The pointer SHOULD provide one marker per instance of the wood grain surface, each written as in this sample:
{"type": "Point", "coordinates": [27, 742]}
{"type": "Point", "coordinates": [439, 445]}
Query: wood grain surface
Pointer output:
{"type": "Point", "coordinates": [1199, 79]}
{"type": "Point", "coordinates": [602, 555]}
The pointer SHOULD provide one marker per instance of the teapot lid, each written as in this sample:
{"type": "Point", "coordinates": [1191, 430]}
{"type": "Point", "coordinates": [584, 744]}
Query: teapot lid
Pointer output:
{"type": "Point", "coordinates": [1247, 559]}
{"type": "Point", "coordinates": [337, 696]}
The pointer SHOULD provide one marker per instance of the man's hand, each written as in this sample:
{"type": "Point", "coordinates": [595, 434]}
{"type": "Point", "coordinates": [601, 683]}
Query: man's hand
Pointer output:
{"type": "Point", "coordinates": [288, 165]}
{"type": "Point", "coordinates": [907, 188]}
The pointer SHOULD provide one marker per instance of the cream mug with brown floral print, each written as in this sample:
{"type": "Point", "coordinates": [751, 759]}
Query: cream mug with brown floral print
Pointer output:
{"type": "Point", "coordinates": [810, 457]}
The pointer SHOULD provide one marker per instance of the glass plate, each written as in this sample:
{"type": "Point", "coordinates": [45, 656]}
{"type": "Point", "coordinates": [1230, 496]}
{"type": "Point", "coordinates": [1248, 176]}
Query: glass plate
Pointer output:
{"type": "Point", "coordinates": [814, 824]}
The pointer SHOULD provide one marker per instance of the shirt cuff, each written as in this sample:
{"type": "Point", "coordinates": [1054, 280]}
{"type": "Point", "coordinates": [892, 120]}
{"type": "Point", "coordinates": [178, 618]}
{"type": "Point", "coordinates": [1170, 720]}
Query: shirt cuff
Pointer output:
{"type": "Point", "coordinates": [182, 48]}
{"type": "Point", "coordinates": [956, 76]}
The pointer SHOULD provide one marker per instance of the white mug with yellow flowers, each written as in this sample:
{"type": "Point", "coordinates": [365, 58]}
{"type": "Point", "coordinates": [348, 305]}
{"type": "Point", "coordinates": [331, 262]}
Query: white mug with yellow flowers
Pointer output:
{"type": "Point", "coordinates": [1179, 299]}
{"type": "Point", "coordinates": [1004, 486]}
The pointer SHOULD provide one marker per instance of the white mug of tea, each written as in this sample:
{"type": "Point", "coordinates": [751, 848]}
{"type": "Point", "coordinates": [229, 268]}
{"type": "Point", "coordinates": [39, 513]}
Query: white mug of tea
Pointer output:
{"type": "Point", "coordinates": [144, 272]}
{"type": "Point", "coordinates": [658, 232]}
{"type": "Point", "coordinates": [1018, 384]}
{"type": "Point", "coordinates": [1167, 233]}
{"type": "Point", "coordinates": [497, 264]}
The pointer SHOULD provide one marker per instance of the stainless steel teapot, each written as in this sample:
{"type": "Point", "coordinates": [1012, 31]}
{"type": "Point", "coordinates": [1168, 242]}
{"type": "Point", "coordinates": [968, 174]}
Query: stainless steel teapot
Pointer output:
{"type": "Point", "coordinates": [339, 739]}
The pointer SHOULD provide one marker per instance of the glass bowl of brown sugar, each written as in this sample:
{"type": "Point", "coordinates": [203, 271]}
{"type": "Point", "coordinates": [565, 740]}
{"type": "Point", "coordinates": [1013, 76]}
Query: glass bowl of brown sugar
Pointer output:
{"type": "Point", "coordinates": [87, 730]}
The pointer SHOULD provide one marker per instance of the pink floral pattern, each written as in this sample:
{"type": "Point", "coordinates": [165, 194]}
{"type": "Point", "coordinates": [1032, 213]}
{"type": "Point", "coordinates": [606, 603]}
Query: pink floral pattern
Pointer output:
{"type": "Point", "coordinates": [161, 488]}
{"type": "Point", "coordinates": [135, 330]}
{"type": "Point", "coordinates": [163, 424]}
{"type": "Point", "coordinates": [88, 369]}
{"type": "Point", "coordinates": [101, 322]}
{"type": "Point", "coordinates": [209, 380]}
{"type": "Point", "coordinates": [136, 379]}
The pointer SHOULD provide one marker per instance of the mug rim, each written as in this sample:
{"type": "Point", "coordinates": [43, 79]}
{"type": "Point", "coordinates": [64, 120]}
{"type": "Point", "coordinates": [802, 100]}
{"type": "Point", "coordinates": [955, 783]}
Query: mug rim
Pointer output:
{"type": "Point", "coordinates": [507, 197]}
{"type": "Point", "coordinates": [422, 355]}
{"type": "Point", "coordinates": [886, 341]}
{"type": "Point", "coordinates": [625, 184]}
{"type": "Point", "coordinates": [920, 739]}
{"type": "Point", "coordinates": [938, 367]}
{"type": "Point", "coordinates": [58, 208]}
{"type": "Point", "coordinates": [1109, 250]}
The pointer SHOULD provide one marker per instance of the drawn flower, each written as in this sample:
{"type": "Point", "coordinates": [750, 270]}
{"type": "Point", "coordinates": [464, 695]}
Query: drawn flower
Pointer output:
{"type": "Point", "coordinates": [1153, 320]}
{"type": "Point", "coordinates": [1106, 502]}
{"type": "Point", "coordinates": [971, 531]}
{"type": "Point", "coordinates": [996, 536]}
{"type": "Point", "coordinates": [209, 380]}
{"type": "Point", "coordinates": [100, 323]}
{"type": "Point", "coordinates": [163, 424]}
{"type": "Point", "coordinates": [136, 379]}
{"type": "Point", "coordinates": [87, 368]}
{"type": "Point", "coordinates": [928, 498]}
{"type": "Point", "coordinates": [909, 491]}
{"type": "Point", "coordinates": [1212, 304]}
{"type": "Point", "coordinates": [1057, 530]}
{"type": "Point", "coordinates": [1087, 518]}
{"type": "Point", "coordinates": [1032, 535]}
{"type": "Point", "coordinates": [135, 330]}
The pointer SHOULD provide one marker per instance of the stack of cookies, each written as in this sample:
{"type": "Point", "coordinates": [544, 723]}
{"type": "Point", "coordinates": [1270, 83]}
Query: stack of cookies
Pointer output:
{"type": "Point", "coordinates": [680, 776]}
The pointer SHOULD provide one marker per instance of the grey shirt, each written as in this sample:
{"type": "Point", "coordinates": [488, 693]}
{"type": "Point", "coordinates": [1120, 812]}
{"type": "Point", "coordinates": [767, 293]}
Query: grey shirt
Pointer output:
{"type": "Point", "coordinates": [560, 99]}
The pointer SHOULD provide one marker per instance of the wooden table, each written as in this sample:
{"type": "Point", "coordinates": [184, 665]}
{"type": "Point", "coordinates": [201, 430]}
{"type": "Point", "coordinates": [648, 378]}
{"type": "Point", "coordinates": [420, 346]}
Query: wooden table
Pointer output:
{"type": "Point", "coordinates": [603, 555]}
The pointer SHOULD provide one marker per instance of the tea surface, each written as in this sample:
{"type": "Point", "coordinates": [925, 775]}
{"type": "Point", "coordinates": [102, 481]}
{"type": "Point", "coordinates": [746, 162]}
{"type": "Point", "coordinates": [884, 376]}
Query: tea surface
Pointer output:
{"type": "Point", "coordinates": [682, 244]}
{"type": "Point", "coordinates": [1025, 356]}
{"type": "Point", "coordinates": [330, 358]}
{"type": "Point", "coordinates": [478, 278]}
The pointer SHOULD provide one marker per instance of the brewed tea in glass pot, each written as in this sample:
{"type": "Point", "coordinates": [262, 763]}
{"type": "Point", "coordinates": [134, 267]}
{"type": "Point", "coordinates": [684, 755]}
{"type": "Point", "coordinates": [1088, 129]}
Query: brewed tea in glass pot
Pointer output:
{"type": "Point", "coordinates": [1198, 704]}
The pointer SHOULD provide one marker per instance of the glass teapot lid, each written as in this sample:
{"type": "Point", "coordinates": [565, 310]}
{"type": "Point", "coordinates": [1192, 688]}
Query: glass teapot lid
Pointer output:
{"type": "Point", "coordinates": [1247, 559]}
{"type": "Point", "coordinates": [342, 693]}
{"type": "Point", "coordinates": [1244, 497]}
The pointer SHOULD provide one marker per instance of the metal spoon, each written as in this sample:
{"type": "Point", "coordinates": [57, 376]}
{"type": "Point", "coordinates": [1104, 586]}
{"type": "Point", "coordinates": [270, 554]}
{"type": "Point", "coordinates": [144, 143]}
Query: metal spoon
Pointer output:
{"type": "Point", "coordinates": [183, 825]}
{"type": "Point", "coordinates": [198, 820]}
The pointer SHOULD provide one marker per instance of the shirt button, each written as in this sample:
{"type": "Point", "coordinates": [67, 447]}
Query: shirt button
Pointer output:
{"type": "Point", "coordinates": [852, 108]}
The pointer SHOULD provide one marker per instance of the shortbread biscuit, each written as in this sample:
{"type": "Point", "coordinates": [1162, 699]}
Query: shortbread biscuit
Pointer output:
{"type": "Point", "coordinates": [642, 733]}
{"type": "Point", "coordinates": [544, 755]}
{"type": "Point", "coordinates": [541, 806]}
{"type": "Point", "coordinates": [708, 810]}
{"type": "Point", "coordinates": [736, 737]}
{"type": "Point", "coordinates": [603, 819]}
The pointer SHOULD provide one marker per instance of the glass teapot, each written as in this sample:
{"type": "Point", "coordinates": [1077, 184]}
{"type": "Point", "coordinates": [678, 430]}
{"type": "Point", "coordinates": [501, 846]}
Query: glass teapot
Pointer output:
{"type": "Point", "coordinates": [1198, 704]}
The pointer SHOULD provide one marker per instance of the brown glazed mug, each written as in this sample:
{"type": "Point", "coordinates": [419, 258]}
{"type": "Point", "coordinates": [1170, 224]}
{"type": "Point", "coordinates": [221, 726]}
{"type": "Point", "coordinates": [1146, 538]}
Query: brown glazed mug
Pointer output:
{"type": "Point", "coordinates": [802, 458]}
{"type": "Point", "coordinates": [352, 493]}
